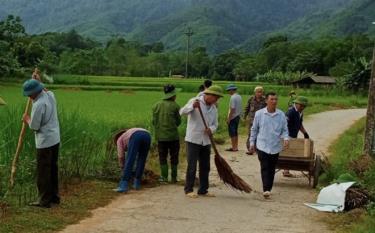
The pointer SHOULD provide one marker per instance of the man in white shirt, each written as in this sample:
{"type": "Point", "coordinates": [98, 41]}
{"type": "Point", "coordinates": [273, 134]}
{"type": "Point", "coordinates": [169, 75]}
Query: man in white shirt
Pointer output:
{"type": "Point", "coordinates": [44, 122]}
{"type": "Point", "coordinates": [234, 116]}
{"type": "Point", "coordinates": [269, 127]}
{"type": "Point", "coordinates": [197, 138]}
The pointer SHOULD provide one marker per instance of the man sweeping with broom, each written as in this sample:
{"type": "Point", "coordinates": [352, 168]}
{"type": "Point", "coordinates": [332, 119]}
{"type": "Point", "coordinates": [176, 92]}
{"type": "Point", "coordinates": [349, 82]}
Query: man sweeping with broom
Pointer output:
{"type": "Point", "coordinates": [198, 144]}
{"type": "Point", "coordinates": [44, 122]}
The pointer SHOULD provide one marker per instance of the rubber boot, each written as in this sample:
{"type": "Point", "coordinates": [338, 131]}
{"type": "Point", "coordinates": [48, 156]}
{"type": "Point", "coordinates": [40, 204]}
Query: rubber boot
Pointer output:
{"type": "Point", "coordinates": [123, 187]}
{"type": "Point", "coordinates": [163, 173]}
{"type": "Point", "coordinates": [174, 174]}
{"type": "Point", "coordinates": [137, 184]}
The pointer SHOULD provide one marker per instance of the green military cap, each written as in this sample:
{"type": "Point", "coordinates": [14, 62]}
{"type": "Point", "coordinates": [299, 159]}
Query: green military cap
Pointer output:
{"type": "Point", "coordinates": [214, 90]}
{"type": "Point", "coordinates": [301, 100]}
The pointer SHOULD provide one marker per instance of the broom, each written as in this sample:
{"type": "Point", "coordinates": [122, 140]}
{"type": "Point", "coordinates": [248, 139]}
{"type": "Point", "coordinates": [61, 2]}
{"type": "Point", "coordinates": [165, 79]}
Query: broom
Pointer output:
{"type": "Point", "coordinates": [225, 172]}
{"type": "Point", "coordinates": [19, 146]}
{"type": "Point", "coordinates": [36, 76]}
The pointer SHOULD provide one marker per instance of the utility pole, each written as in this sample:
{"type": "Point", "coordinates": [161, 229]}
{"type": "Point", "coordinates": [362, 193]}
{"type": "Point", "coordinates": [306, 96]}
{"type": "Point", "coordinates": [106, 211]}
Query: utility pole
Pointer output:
{"type": "Point", "coordinates": [189, 34]}
{"type": "Point", "coordinates": [369, 145]}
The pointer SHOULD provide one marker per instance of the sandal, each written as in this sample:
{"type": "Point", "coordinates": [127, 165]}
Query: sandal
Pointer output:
{"type": "Point", "coordinates": [267, 195]}
{"type": "Point", "coordinates": [231, 150]}
{"type": "Point", "coordinates": [207, 195]}
{"type": "Point", "coordinates": [192, 195]}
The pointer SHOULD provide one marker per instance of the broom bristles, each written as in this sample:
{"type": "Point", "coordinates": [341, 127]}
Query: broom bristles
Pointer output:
{"type": "Point", "coordinates": [227, 175]}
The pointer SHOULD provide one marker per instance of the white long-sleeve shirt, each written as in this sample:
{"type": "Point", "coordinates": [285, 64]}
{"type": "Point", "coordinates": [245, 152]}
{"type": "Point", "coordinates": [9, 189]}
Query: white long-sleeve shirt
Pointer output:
{"type": "Point", "coordinates": [195, 131]}
{"type": "Point", "coordinates": [267, 130]}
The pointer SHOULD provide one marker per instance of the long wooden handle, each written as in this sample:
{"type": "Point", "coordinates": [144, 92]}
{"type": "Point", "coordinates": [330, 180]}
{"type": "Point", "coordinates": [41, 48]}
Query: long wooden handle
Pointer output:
{"type": "Point", "coordinates": [206, 126]}
{"type": "Point", "coordinates": [19, 146]}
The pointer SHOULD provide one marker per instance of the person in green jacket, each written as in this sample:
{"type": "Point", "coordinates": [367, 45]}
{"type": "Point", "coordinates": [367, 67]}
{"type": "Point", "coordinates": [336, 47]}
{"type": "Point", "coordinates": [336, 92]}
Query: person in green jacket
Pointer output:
{"type": "Point", "coordinates": [166, 119]}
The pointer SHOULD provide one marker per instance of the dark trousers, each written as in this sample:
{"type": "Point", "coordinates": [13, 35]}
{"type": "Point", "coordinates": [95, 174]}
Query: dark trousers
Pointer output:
{"type": "Point", "coordinates": [197, 153]}
{"type": "Point", "coordinates": [47, 175]}
{"type": "Point", "coordinates": [267, 166]}
{"type": "Point", "coordinates": [233, 126]}
{"type": "Point", "coordinates": [171, 147]}
{"type": "Point", "coordinates": [138, 147]}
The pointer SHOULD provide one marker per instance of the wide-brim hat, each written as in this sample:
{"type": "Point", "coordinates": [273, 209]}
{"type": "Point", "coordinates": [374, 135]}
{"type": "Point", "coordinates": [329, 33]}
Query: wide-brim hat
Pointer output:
{"type": "Point", "coordinates": [231, 87]}
{"type": "Point", "coordinates": [301, 100]}
{"type": "Point", "coordinates": [2, 102]}
{"type": "Point", "coordinates": [214, 90]}
{"type": "Point", "coordinates": [31, 87]}
{"type": "Point", "coordinates": [169, 95]}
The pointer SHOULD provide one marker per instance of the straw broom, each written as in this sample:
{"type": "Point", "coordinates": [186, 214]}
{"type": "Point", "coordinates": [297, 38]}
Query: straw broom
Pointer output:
{"type": "Point", "coordinates": [19, 146]}
{"type": "Point", "coordinates": [35, 75]}
{"type": "Point", "coordinates": [225, 172]}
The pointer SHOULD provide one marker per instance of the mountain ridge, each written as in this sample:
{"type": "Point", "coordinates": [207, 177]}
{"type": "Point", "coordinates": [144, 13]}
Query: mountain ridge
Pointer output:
{"type": "Point", "coordinates": [218, 24]}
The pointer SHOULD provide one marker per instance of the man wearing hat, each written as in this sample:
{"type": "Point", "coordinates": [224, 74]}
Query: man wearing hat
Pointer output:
{"type": "Point", "coordinates": [255, 103]}
{"type": "Point", "coordinates": [2, 102]}
{"type": "Point", "coordinates": [198, 145]}
{"type": "Point", "coordinates": [234, 115]}
{"type": "Point", "coordinates": [166, 119]}
{"type": "Point", "coordinates": [44, 122]}
{"type": "Point", "coordinates": [294, 117]}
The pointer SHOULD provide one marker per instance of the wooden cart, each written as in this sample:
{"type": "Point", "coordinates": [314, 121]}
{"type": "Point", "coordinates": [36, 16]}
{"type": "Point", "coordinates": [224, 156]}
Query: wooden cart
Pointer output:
{"type": "Point", "coordinates": [300, 156]}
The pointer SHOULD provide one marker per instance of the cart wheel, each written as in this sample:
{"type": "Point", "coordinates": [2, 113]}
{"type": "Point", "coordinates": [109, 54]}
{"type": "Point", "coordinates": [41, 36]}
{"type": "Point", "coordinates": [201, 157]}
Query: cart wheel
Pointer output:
{"type": "Point", "coordinates": [317, 168]}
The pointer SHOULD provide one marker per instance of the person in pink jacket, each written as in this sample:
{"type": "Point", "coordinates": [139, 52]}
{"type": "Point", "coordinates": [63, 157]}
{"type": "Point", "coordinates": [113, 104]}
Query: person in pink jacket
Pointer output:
{"type": "Point", "coordinates": [135, 142]}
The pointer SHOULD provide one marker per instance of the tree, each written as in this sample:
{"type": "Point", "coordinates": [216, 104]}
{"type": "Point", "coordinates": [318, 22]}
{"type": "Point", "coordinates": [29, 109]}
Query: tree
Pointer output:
{"type": "Point", "coordinates": [11, 29]}
{"type": "Point", "coordinates": [157, 47]}
{"type": "Point", "coordinates": [199, 62]}
{"type": "Point", "coordinates": [224, 64]}
{"type": "Point", "coordinates": [275, 39]}
{"type": "Point", "coordinates": [34, 54]}
{"type": "Point", "coordinates": [245, 70]}
{"type": "Point", "coordinates": [116, 55]}
{"type": "Point", "coordinates": [358, 80]}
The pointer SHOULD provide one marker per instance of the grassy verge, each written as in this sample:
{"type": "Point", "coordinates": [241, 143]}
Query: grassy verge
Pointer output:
{"type": "Point", "coordinates": [77, 200]}
{"type": "Point", "coordinates": [346, 157]}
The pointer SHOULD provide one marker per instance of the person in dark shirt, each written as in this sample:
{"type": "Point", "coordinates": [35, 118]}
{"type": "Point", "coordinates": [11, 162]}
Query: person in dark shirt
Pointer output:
{"type": "Point", "coordinates": [294, 117]}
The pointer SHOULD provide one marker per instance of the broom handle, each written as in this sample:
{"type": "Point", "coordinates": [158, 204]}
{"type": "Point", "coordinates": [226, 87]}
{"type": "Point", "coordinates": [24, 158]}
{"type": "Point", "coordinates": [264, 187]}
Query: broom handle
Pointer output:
{"type": "Point", "coordinates": [19, 146]}
{"type": "Point", "coordinates": [206, 126]}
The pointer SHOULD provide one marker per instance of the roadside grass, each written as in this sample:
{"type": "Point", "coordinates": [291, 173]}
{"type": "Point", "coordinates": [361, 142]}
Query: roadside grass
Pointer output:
{"type": "Point", "coordinates": [77, 201]}
{"type": "Point", "coordinates": [346, 157]}
{"type": "Point", "coordinates": [346, 149]}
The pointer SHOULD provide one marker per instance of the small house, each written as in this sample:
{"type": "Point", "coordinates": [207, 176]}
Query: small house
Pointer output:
{"type": "Point", "coordinates": [307, 81]}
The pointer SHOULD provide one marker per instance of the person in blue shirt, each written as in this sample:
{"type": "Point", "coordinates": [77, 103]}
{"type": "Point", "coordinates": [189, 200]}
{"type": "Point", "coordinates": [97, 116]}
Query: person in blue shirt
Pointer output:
{"type": "Point", "coordinates": [45, 124]}
{"type": "Point", "coordinates": [269, 127]}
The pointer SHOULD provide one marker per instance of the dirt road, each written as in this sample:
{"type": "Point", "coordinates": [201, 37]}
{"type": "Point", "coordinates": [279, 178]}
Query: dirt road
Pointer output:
{"type": "Point", "coordinates": [166, 209]}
